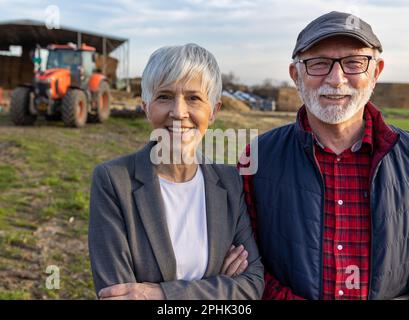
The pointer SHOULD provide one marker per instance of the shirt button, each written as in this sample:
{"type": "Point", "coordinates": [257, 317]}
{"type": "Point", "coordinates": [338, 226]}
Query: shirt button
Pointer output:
{"type": "Point", "coordinates": [341, 293]}
{"type": "Point", "coordinates": [340, 247]}
{"type": "Point", "coordinates": [338, 159]}
{"type": "Point", "coordinates": [340, 202]}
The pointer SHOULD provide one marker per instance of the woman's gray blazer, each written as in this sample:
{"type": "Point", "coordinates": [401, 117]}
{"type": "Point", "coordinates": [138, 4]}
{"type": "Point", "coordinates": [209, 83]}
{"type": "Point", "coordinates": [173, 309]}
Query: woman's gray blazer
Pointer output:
{"type": "Point", "coordinates": [129, 240]}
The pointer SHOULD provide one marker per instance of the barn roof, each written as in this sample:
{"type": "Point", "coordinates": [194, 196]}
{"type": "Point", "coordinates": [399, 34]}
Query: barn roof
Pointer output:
{"type": "Point", "coordinates": [29, 33]}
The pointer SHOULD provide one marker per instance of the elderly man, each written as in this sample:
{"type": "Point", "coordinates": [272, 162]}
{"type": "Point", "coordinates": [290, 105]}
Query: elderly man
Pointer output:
{"type": "Point", "coordinates": [330, 199]}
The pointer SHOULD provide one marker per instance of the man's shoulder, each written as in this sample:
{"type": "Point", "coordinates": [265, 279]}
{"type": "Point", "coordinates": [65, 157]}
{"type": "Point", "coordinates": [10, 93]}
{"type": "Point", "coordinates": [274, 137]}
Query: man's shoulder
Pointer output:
{"type": "Point", "coordinates": [403, 133]}
{"type": "Point", "coordinates": [277, 133]}
{"type": "Point", "coordinates": [403, 136]}
{"type": "Point", "coordinates": [403, 143]}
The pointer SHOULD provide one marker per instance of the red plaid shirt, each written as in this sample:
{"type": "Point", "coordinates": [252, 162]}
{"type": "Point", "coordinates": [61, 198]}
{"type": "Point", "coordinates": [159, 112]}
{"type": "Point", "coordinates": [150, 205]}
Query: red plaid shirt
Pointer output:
{"type": "Point", "coordinates": [346, 251]}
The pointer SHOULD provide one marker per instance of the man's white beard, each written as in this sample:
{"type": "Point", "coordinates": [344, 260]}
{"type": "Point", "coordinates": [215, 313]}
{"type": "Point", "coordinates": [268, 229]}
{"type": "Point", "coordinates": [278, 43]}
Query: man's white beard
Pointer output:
{"type": "Point", "coordinates": [335, 113]}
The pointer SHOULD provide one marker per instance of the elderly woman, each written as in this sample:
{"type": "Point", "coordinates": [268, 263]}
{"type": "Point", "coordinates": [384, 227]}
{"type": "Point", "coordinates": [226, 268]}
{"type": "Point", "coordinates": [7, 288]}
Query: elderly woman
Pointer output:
{"type": "Point", "coordinates": [161, 227]}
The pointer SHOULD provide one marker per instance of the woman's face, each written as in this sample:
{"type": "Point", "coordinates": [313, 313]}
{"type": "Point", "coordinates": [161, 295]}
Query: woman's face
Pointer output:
{"type": "Point", "coordinates": [183, 110]}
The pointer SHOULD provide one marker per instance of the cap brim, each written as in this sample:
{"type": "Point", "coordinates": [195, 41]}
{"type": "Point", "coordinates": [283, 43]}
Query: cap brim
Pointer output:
{"type": "Point", "coordinates": [334, 34]}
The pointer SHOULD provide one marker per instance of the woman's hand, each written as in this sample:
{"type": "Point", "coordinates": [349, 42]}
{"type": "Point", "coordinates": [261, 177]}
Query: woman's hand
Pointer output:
{"type": "Point", "coordinates": [235, 261]}
{"type": "Point", "coordinates": [234, 264]}
{"type": "Point", "coordinates": [132, 291]}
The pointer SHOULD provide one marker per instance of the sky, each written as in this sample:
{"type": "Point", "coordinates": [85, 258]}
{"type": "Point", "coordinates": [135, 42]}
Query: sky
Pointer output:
{"type": "Point", "coordinates": [253, 39]}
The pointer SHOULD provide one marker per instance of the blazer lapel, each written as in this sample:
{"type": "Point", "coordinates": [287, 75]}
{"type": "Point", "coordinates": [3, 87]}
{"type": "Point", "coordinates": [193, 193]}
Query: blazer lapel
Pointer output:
{"type": "Point", "coordinates": [152, 212]}
{"type": "Point", "coordinates": [216, 215]}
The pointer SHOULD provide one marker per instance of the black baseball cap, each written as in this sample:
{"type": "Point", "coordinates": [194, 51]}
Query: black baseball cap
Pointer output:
{"type": "Point", "coordinates": [336, 24]}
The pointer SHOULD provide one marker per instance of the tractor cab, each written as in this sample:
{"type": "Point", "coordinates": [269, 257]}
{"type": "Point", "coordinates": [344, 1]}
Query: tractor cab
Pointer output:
{"type": "Point", "coordinates": [80, 61]}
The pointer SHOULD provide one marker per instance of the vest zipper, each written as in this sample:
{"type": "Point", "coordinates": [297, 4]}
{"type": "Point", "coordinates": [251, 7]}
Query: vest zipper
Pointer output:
{"type": "Point", "coordinates": [317, 167]}
{"type": "Point", "coordinates": [370, 209]}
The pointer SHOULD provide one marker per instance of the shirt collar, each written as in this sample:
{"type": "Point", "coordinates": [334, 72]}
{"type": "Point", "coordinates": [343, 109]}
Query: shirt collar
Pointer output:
{"type": "Point", "coordinates": [367, 138]}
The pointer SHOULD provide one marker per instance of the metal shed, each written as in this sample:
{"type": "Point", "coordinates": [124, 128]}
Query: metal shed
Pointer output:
{"type": "Point", "coordinates": [30, 33]}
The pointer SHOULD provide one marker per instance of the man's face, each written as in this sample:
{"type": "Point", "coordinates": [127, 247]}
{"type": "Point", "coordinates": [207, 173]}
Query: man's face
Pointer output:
{"type": "Point", "coordinates": [336, 97]}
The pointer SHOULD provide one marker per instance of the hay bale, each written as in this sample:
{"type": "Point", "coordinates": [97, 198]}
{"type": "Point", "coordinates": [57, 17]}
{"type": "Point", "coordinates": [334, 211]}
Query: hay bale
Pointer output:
{"type": "Point", "coordinates": [288, 99]}
{"type": "Point", "coordinates": [10, 75]}
{"type": "Point", "coordinates": [135, 84]}
{"type": "Point", "coordinates": [391, 95]}
{"type": "Point", "coordinates": [111, 66]}
{"type": "Point", "coordinates": [232, 104]}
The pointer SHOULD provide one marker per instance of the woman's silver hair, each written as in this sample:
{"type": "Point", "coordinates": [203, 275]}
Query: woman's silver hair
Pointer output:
{"type": "Point", "coordinates": [168, 65]}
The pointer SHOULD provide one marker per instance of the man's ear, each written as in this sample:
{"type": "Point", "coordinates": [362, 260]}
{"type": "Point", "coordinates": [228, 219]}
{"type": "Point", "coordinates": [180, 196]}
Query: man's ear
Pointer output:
{"type": "Point", "coordinates": [216, 109]}
{"type": "Point", "coordinates": [380, 63]}
{"type": "Point", "coordinates": [292, 69]}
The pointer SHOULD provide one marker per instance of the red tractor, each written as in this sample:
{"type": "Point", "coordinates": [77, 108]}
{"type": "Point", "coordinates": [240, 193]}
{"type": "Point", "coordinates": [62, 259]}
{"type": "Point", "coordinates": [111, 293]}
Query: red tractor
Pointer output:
{"type": "Point", "coordinates": [69, 89]}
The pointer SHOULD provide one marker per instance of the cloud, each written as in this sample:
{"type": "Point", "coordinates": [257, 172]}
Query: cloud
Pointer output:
{"type": "Point", "coordinates": [262, 33]}
{"type": "Point", "coordinates": [253, 38]}
{"type": "Point", "coordinates": [20, 9]}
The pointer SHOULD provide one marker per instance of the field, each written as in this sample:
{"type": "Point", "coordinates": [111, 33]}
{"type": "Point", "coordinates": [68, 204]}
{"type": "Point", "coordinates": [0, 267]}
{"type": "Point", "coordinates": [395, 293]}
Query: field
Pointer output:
{"type": "Point", "coordinates": [397, 117]}
{"type": "Point", "coordinates": [45, 173]}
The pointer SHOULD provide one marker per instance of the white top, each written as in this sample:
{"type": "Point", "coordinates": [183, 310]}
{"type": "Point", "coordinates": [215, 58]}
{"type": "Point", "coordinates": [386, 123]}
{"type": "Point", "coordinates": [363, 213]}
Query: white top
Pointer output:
{"type": "Point", "coordinates": [185, 208]}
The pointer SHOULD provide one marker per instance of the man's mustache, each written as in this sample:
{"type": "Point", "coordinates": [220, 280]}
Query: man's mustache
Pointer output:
{"type": "Point", "coordinates": [327, 90]}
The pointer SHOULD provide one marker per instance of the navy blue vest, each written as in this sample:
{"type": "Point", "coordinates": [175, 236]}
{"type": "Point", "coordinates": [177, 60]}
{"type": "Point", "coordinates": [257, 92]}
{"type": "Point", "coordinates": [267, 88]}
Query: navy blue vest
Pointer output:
{"type": "Point", "coordinates": [289, 199]}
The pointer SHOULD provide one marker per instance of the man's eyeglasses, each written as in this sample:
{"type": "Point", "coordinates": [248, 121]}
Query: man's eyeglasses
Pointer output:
{"type": "Point", "coordinates": [350, 65]}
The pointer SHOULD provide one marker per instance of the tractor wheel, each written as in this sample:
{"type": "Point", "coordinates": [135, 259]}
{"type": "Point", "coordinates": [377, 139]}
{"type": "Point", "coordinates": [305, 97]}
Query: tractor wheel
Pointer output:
{"type": "Point", "coordinates": [20, 107]}
{"type": "Point", "coordinates": [74, 108]}
{"type": "Point", "coordinates": [103, 100]}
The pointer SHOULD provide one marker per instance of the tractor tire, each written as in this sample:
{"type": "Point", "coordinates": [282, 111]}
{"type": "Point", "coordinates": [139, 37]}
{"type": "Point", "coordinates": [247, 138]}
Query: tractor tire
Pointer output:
{"type": "Point", "coordinates": [103, 101]}
{"type": "Point", "coordinates": [20, 107]}
{"type": "Point", "coordinates": [74, 108]}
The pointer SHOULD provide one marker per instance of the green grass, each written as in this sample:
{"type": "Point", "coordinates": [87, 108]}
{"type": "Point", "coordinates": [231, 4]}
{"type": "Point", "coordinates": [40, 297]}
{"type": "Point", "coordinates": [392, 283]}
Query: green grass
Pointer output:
{"type": "Point", "coordinates": [44, 183]}
{"type": "Point", "coordinates": [400, 123]}
{"type": "Point", "coordinates": [395, 113]}
{"type": "Point", "coordinates": [14, 295]}
{"type": "Point", "coordinates": [7, 176]}
{"type": "Point", "coordinates": [397, 117]}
